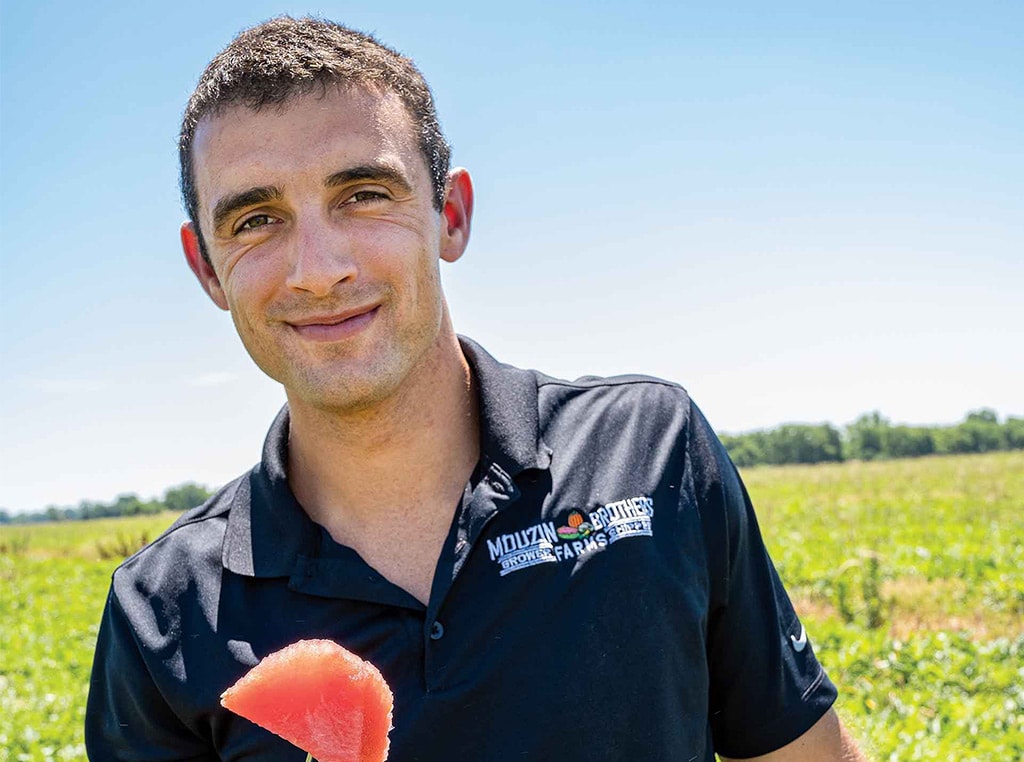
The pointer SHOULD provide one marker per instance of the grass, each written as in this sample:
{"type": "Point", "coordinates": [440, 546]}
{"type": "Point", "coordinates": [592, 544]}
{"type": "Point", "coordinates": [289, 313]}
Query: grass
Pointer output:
{"type": "Point", "coordinates": [53, 582]}
{"type": "Point", "coordinates": [909, 576]}
{"type": "Point", "coordinates": [946, 535]}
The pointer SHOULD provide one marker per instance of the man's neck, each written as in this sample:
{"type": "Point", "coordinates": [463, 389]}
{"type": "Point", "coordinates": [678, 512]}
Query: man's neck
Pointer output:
{"type": "Point", "coordinates": [406, 459]}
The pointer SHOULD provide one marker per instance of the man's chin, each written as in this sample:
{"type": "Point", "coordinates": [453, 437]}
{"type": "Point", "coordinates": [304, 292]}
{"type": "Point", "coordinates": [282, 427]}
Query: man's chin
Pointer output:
{"type": "Point", "coordinates": [359, 381]}
{"type": "Point", "coordinates": [342, 393]}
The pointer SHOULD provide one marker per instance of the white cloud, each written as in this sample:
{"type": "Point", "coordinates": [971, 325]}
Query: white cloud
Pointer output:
{"type": "Point", "coordinates": [217, 378]}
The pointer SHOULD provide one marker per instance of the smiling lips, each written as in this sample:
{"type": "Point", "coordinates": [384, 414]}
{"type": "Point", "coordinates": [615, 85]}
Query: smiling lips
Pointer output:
{"type": "Point", "coordinates": [334, 327]}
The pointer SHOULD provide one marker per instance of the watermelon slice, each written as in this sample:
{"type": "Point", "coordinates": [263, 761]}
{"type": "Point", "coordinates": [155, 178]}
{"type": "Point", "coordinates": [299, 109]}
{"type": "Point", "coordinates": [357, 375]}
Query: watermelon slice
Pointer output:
{"type": "Point", "coordinates": [320, 697]}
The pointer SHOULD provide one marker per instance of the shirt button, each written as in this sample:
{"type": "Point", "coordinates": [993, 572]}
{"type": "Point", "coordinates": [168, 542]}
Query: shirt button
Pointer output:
{"type": "Point", "coordinates": [436, 630]}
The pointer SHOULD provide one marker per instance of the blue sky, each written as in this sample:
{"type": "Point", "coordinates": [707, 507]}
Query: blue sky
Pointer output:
{"type": "Point", "coordinates": [801, 215]}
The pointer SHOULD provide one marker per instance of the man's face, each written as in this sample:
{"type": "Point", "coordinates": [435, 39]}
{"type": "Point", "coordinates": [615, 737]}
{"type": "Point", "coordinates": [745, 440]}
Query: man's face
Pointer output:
{"type": "Point", "coordinates": [324, 243]}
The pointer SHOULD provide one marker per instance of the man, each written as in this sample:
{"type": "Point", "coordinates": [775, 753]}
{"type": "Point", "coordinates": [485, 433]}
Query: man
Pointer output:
{"type": "Point", "coordinates": [541, 569]}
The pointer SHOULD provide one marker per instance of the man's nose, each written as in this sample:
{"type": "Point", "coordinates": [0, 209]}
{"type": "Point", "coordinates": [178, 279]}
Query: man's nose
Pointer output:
{"type": "Point", "coordinates": [322, 257]}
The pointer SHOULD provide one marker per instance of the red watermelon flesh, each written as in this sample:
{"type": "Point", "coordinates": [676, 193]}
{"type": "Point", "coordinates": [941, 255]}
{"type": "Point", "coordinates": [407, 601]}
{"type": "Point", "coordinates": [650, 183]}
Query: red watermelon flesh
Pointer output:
{"type": "Point", "coordinates": [320, 697]}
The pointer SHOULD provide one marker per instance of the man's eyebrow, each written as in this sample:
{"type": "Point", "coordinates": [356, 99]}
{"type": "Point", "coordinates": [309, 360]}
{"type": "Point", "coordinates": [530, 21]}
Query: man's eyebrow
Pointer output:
{"type": "Point", "coordinates": [378, 172]}
{"type": "Point", "coordinates": [231, 204]}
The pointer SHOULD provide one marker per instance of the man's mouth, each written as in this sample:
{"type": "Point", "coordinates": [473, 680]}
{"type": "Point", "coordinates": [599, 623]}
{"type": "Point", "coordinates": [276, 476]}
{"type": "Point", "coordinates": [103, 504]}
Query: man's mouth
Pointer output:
{"type": "Point", "coordinates": [336, 326]}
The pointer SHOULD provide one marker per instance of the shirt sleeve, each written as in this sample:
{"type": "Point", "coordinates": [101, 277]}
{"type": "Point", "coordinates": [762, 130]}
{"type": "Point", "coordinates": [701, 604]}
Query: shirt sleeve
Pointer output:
{"type": "Point", "coordinates": [126, 716]}
{"type": "Point", "coordinates": [766, 686]}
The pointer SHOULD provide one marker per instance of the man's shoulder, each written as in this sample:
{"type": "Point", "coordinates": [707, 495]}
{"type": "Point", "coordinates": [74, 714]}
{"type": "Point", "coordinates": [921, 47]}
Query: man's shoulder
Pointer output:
{"type": "Point", "coordinates": [584, 415]}
{"type": "Point", "coordinates": [638, 381]}
{"type": "Point", "coordinates": [607, 413]}
{"type": "Point", "coordinates": [627, 390]}
{"type": "Point", "coordinates": [632, 385]}
{"type": "Point", "coordinates": [190, 546]}
{"type": "Point", "coordinates": [204, 516]}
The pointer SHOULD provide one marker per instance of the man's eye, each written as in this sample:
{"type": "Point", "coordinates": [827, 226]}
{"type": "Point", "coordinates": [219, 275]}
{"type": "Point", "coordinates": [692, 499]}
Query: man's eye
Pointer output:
{"type": "Point", "coordinates": [363, 196]}
{"type": "Point", "coordinates": [256, 221]}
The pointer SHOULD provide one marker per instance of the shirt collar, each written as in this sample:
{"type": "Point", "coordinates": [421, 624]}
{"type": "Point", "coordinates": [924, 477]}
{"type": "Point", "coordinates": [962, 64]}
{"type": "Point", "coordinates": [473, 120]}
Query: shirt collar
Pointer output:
{"type": "Point", "coordinates": [267, 528]}
{"type": "Point", "coordinates": [509, 413]}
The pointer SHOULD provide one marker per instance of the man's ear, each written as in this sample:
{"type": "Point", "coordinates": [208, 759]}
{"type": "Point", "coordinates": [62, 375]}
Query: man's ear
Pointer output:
{"type": "Point", "coordinates": [202, 269]}
{"type": "Point", "coordinates": [457, 215]}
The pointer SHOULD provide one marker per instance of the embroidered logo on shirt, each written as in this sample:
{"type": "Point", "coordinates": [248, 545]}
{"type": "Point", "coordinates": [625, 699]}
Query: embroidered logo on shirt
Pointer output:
{"type": "Point", "coordinates": [581, 533]}
{"type": "Point", "coordinates": [799, 644]}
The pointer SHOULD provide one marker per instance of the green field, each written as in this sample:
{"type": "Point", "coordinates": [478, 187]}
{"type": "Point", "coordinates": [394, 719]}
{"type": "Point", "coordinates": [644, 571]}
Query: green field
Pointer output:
{"type": "Point", "coordinates": [909, 576]}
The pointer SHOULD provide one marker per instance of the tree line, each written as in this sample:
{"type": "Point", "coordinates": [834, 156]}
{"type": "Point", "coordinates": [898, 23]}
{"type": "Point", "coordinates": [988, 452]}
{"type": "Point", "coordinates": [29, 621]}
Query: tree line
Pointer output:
{"type": "Point", "coordinates": [177, 499]}
{"type": "Point", "coordinates": [873, 437]}
{"type": "Point", "coordinates": [870, 437]}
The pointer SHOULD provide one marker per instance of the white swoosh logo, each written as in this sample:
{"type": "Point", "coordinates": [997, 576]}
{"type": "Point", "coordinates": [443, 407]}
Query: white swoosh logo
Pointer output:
{"type": "Point", "coordinates": [799, 644]}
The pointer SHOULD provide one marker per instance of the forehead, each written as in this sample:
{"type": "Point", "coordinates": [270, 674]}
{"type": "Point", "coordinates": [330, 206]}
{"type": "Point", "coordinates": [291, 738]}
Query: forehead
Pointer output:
{"type": "Point", "coordinates": [301, 140]}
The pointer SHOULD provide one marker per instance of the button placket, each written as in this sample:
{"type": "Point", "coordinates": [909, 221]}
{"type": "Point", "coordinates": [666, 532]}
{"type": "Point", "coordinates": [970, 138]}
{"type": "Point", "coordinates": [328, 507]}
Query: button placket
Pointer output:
{"type": "Point", "coordinates": [435, 652]}
{"type": "Point", "coordinates": [495, 490]}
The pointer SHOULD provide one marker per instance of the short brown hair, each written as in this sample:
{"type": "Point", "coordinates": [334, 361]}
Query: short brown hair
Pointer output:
{"type": "Point", "coordinates": [285, 57]}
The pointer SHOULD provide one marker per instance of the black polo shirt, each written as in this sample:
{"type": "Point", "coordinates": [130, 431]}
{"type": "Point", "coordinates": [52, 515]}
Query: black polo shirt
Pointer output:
{"type": "Point", "coordinates": [603, 594]}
